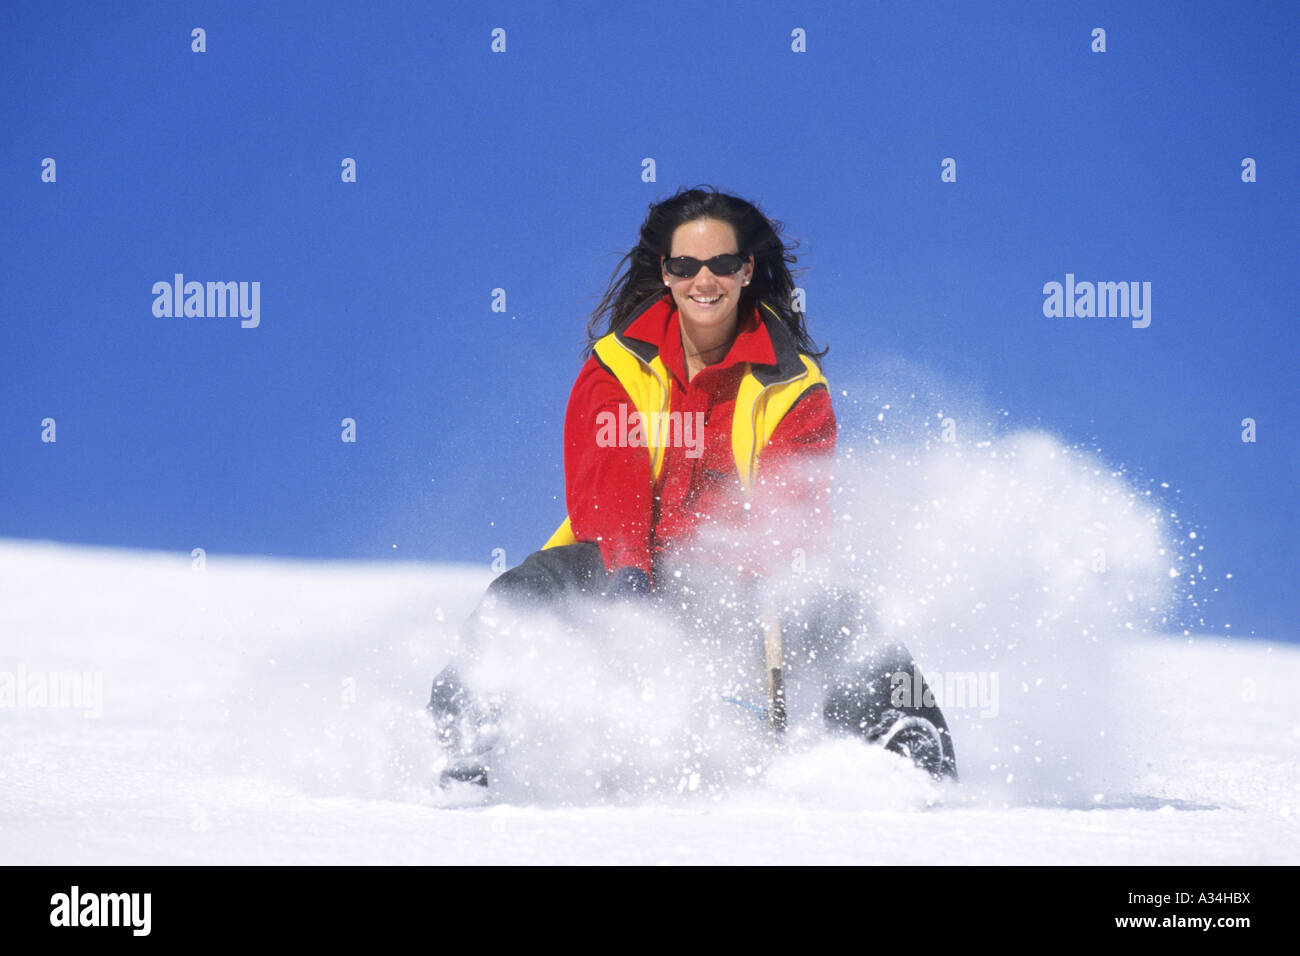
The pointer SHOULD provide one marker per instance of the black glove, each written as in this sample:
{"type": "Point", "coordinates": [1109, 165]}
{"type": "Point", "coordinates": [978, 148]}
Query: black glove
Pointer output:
{"type": "Point", "coordinates": [628, 582]}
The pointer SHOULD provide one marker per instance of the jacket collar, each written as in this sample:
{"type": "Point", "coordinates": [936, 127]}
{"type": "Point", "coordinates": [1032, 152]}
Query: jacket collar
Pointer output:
{"type": "Point", "coordinates": [763, 341]}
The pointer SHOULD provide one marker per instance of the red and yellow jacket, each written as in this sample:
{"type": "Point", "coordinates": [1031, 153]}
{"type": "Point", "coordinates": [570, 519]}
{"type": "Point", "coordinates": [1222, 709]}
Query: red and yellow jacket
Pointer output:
{"type": "Point", "coordinates": [640, 492]}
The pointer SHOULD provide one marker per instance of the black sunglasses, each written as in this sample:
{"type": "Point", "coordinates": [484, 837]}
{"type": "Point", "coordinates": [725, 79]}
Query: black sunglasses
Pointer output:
{"type": "Point", "coordinates": [685, 266]}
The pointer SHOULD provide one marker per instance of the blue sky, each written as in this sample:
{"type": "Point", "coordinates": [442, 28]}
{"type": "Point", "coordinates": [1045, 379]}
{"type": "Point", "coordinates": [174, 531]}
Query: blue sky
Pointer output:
{"type": "Point", "coordinates": [522, 171]}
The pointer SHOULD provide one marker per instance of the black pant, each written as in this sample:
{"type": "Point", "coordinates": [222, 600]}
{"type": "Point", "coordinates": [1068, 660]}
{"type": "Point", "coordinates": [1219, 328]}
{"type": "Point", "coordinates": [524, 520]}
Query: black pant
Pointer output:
{"type": "Point", "coordinates": [865, 698]}
{"type": "Point", "coordinates": [552, 575]}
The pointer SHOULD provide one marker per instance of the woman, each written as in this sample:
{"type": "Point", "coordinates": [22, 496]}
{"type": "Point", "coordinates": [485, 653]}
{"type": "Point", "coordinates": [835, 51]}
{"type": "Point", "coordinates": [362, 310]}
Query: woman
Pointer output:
{"type": "Point", "coordinates": [698, 425]}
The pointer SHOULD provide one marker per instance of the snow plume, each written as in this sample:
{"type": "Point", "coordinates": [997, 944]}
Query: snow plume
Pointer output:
{"type": "Point", "coordinates": [627, 702]}
{"type": "Point", "coordinates": [1011, 569]}
{"type": "Point", "coordinates": [1016, 569]}
{"type": "Point", "coordinates": [1012, 566]}
{"type": "Point", "coordinates": [613, 702]}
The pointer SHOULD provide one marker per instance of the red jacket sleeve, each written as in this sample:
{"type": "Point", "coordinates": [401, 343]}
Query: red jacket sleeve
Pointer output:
{"type": "Point", "coordinates": [791, 505]}
{"type": "Point", "coordinates": [607, 487]}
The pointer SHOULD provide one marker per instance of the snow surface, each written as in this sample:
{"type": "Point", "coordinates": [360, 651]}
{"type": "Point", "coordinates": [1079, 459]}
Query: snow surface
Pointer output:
{"type": "Point", "coordinates": [228, 735]}
{"type": "Point", "coordinates": [271, 711]}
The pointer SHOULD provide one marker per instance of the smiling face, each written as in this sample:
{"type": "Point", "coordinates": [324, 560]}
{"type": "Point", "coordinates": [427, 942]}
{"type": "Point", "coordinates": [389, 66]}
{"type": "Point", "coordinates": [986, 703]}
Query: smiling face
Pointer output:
{"type": "Point", "coordinates": [703, 239]}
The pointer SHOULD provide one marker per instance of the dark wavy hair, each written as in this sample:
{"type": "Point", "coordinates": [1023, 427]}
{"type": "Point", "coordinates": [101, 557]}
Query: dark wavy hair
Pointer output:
{"type": "Point", "coordinates": [772, 281]}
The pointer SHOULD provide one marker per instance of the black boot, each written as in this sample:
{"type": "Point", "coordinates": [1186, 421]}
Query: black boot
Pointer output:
{"type": "Point", "coordinates": [866, 705]}
{"type": "Point", "coordinates": [467, 730]}
{"type": "Point", "coordinates": [922, 742]}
